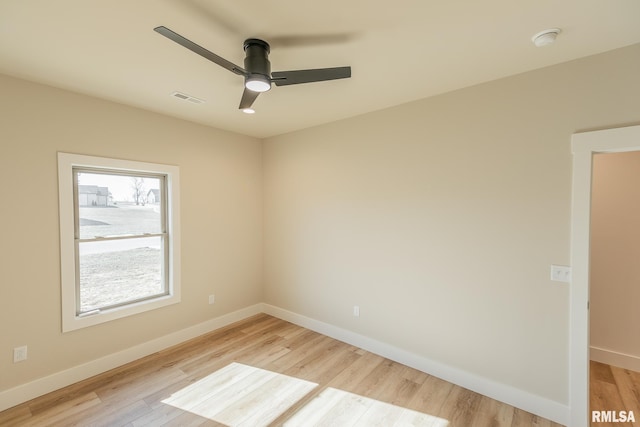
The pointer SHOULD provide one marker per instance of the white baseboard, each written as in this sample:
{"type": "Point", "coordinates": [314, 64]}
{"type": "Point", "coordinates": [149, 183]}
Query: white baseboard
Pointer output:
{"type": "Point", "coordinates": [33, 389]}
{"type": "Point", "coordinates": [540, 406]}
{"type": "Point", "coordinates": [610, 357]}
{"type": "Point", "coordinates": [521, 399]}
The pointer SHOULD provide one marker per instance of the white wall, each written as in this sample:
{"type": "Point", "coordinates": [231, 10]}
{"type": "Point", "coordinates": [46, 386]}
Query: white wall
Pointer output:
{"type": "Point", "coordinates": [615, 251]}
{"type": "Point", "coordinates": [221, 213]}
{"type": "Point", "coordinates": [440, 219]}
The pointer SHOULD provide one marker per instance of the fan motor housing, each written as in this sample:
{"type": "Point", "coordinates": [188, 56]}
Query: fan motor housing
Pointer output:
{"type": "Point", "coordinates": [256, 59]}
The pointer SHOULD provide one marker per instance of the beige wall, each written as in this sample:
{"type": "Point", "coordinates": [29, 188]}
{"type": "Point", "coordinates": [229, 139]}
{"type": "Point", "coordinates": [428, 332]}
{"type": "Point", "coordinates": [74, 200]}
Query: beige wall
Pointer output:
{"type": "Point", "coordinates": [615, 253]}
{"type": "Point", "coordinates": [440, 218]}
{"type": "Point", "coordinates": [221, 221]}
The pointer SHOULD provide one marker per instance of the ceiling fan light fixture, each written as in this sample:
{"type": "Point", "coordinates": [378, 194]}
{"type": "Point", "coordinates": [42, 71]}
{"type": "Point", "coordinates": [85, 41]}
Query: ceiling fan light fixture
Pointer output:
{"type": "Point", "coordinates": [257, 83]}
{"type": "Point", "coordinates": [257, 68]}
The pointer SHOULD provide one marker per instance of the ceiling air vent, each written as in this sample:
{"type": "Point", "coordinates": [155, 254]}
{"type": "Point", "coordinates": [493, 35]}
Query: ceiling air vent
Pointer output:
{"type": "Point", "coordinates": [186, 97]}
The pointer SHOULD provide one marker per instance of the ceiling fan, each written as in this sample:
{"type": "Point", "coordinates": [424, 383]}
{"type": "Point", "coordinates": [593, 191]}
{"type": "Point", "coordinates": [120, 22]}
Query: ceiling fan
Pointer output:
{"type": "Point", "coordinates": [257, 68]}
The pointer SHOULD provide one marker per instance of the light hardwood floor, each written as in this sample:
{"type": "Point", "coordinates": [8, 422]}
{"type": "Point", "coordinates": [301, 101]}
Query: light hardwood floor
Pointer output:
{"type": "Point", "coordinates": [614, 389]}
{"type": "Point", "coordinates": [265, 371]}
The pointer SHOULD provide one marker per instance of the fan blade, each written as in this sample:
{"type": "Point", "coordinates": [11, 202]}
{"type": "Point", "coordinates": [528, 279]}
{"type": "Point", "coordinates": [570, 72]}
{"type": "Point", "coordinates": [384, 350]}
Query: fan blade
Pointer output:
{"type": "Point", "coordinates": [248, 97]}
{"type": "Point", "coordinates": [200, 50]}
{"type": "Point", "coordinates": [284, 78]}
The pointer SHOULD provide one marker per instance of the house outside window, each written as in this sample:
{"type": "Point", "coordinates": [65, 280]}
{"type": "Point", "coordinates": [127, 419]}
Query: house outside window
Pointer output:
{"type": "Point", "coordinates": [153, 196]}
{"type": "Point", "coordinates": [119, 228]}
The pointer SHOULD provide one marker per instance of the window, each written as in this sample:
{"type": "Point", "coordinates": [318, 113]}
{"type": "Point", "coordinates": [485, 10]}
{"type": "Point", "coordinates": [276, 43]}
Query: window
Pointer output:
{"type": "Point", "coordinates": [119, 238]}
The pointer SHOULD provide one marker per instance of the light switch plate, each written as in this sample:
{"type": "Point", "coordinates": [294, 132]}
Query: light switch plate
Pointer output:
{"type": "Point", "coordinates": [561, 273]}
{"type": "Point", "coordinates": [19, 354]}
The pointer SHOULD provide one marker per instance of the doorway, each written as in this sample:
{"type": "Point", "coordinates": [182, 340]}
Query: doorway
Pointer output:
{"type": "Point", "coordinates": [585, 146]}
{"type": "Point", "coordinates": [614, 273]}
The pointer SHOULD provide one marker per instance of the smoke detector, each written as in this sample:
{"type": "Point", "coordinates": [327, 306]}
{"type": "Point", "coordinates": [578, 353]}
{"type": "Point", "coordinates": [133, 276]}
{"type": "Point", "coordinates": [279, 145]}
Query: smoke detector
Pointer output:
{"type": "Point", "coordinates": [546, 37]}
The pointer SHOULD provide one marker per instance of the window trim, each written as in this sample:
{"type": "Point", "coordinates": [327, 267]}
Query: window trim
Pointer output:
{"type": "Point", "coordinates": [68, 271]}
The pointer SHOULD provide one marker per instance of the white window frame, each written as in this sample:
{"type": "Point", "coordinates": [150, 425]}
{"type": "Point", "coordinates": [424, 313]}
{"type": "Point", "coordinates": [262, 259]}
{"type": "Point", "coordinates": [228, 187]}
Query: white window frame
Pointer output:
{"type": "Point", "coordinates": [68, 268]}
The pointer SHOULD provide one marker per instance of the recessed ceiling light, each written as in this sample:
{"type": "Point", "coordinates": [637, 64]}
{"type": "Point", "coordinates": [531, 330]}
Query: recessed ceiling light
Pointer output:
{"type": "Point", "coordinates": [248, 110]}
{"type": "Point", "coordinates": [546, 37]}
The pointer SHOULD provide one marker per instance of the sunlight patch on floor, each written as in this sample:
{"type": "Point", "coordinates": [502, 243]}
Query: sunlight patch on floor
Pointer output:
{"type": "Point", "coordinates": [241, 395]}
{"type": "Point", "coordinates": [335, 407]}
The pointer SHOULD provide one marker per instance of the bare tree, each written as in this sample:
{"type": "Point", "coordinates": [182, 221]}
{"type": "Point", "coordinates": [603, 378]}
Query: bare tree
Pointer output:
{"type": "Point", "coordinates": [137, 184]}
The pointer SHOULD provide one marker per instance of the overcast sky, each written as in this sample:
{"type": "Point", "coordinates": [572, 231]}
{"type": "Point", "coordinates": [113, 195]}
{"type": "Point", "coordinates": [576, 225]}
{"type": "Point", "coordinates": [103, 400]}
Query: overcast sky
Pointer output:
{"type": "Point", "coordinates": [121, 187]}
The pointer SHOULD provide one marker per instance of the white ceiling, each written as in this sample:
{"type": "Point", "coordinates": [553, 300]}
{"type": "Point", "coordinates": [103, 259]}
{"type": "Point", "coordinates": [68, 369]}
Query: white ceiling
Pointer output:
{"type": "Point", "coordinates": [399, 50]}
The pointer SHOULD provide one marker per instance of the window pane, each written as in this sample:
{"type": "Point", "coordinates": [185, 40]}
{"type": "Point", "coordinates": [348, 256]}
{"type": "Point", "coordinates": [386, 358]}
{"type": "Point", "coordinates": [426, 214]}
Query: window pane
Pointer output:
{"type": "Point", "coordinates": [117, 205]}
{"type": "Point", "coordinates": [114, 272]}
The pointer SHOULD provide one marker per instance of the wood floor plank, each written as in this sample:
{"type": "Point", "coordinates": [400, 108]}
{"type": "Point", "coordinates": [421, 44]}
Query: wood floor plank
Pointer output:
{"type": "Point", "coordinates": [614, 389]}
{"type": "Point", "coordinates": [160, 415]}
{"type": "Point", "coordinates": [379, 414]}
{"type": "Point", "coordinates": [492, 413]}
{"type": "Point", "coordinates": [601, 371]}
{"type": "Point", "coordinates": [605, 396]}
{"type": "Point", "coordinates": [330, 407]}
{"type": "Point", "coordinates": [349, 378]}
{"type": "Point", "coordinates": [265, 371]}
{"type": "Point", "coordinates": [67, 409]}
{"type": "Point", "coordinates": [629, 390]}
{"type": "Point", "coordinates": [301, 347]}
{"type": "Point", "coordinates": [402, 387]}
{"type": "Point", "coordinates": [346, 380]}
{"type": "Point", "coordinates": [460, 407]}
{"type": "Point", "coordinates": [431, 396]}
{"type": "Point", "coordinates": [523, 418]}
{"type": "Point", "coordinates": [135, 386]}
{"type": "Point", "coordinates": [15, 416]}
{"type": "Point", "coordinates": [188, 419]}
{"type": "Point", "coordinates": [263, 405]}
{"type": "Point", "coordinates": [369, 386]}
{"type": "Point", "coordinates": [321, 366]}
{"type": "Point", "coordinates": [229, 349]}
{"type": "Point", "coordinates": [107, 415]}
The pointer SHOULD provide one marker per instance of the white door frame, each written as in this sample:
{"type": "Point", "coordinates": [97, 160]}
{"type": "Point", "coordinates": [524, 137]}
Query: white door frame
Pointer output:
{"type": "Point", "coordinates": [584, 146]}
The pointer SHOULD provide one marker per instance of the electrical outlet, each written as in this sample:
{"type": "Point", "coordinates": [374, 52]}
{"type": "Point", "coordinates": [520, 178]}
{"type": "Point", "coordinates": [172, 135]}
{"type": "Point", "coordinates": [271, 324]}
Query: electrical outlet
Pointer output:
{"type": "Point", "coordinates": [212, 299]}
{"type": "Point", "coordinates": [19, 354]}
{"type": "Point", "coordinates": [356, 311]}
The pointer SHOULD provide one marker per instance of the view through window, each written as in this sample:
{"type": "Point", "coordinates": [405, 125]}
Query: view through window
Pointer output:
{"type": "Point", "coordinates": [120, 233]}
